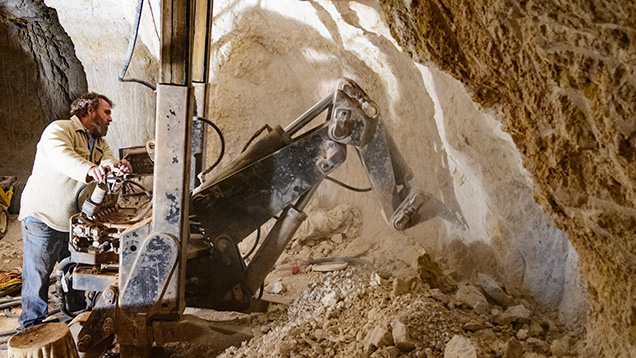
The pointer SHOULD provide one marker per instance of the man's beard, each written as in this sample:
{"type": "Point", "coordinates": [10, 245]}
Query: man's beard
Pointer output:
{"type": "Point", "coordinates": [100, 128]}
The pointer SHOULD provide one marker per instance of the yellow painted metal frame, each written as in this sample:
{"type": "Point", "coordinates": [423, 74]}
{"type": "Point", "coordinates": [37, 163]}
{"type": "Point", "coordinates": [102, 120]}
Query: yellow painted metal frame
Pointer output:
{"type": "Point", "coordinates": [5, 196]}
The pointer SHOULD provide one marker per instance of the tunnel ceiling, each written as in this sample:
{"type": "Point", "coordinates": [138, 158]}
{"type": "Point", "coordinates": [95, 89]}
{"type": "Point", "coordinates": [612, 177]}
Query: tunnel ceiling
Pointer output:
{"type": "Point", "coordinates": [562, 77]}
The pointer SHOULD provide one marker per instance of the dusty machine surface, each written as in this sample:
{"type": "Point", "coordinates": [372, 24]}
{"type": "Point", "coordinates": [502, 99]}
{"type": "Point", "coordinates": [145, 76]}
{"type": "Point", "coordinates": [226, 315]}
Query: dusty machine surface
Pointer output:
{"type": "Point", "coordinates": [128, 269]}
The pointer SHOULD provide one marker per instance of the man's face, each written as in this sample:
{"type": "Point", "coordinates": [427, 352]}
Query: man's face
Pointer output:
{"type": "Point", "coordinates": [100, 119]}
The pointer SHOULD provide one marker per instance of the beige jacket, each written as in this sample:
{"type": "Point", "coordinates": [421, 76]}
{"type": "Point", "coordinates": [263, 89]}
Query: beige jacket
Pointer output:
{"type": "Point", "coordinates": [61, 164]}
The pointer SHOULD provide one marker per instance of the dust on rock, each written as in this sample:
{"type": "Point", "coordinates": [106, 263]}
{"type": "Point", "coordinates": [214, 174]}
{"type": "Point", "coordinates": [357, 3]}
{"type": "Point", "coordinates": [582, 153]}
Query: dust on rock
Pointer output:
{"type": "Point", "coordinates": [348, 314]}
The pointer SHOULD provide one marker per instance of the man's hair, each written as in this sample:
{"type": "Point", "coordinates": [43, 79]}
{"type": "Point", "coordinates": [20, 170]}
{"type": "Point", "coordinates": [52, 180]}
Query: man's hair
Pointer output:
{"type": "Point", "coordinates": [80, 106]}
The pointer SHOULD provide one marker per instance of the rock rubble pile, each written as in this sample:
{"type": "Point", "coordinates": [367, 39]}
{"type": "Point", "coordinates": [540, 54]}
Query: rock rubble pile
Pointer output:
{"type": "Point", "coordinates": [357, 313]}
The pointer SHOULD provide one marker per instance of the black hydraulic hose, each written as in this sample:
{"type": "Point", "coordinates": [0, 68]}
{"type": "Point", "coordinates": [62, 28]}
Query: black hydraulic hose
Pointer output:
{"type": "Point", "coordinates": [221, 154]}
{"type": "Point", "coordinates": [77, 196]}
{"type": "Point", "coordinates": [79, 191]}
{"type": "Point", "coordinates": [124, 181]}
{"type": "Point", "coordinates": [256, 134]}
{"type": "Point", "coordinates": [131, 48]}
{"type": "Point", "coordinates": [218, 131]}
{"type": "Point", "coordinates": [133, 38]}
{"type": "Point", "coordinates": [59, 288]}
{"type": "Point", "coordinates": [146, 191]}
{"type": "Point", "coordinates": [359, 190]}
{"type": "Point", "coordinates": [258, 238]}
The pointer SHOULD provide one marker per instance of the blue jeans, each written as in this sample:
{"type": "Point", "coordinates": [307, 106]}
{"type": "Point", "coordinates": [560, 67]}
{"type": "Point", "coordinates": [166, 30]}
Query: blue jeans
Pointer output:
{"type": "Point", "coordinates": [43, 248]}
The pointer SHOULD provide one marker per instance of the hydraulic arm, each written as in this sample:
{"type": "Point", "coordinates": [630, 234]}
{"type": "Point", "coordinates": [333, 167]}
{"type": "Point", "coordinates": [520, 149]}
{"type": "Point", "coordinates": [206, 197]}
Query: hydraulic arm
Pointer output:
{"type": "Point", "coordinates": [279, 174]}
{"type": "Point", "coordinates": [134, 265]}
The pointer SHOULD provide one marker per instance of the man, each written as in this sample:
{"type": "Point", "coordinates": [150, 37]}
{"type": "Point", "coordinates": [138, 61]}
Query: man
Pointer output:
{"type": "Point", "coordinates": [70, 153]}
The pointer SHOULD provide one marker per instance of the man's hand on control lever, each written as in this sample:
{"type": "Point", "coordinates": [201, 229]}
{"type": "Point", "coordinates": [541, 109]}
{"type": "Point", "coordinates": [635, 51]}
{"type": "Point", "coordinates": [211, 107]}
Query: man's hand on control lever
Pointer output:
{"type": "Point", "coordinates": [99, 172]}
{"type": "Point", "coordinates": [122, 167]}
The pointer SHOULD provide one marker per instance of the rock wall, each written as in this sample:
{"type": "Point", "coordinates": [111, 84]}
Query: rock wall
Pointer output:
{"type": "Point", "coordinates": [561, 78]}
{"type": "Point", "coordinates": [101, 32]}
{"type": "Point", "coordinates": [40, 76]}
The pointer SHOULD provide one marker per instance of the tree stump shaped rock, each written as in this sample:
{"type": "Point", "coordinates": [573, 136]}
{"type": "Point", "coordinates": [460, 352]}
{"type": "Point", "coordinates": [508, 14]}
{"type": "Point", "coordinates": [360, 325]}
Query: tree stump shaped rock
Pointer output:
{"type": "Point", "coordinates": [51, 340]}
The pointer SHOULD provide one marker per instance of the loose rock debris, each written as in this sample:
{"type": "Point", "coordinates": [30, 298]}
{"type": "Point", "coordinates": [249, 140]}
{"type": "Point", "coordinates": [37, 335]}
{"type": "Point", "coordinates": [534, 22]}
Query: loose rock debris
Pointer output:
{"type": "Point", "coordinates": [352, 314]}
